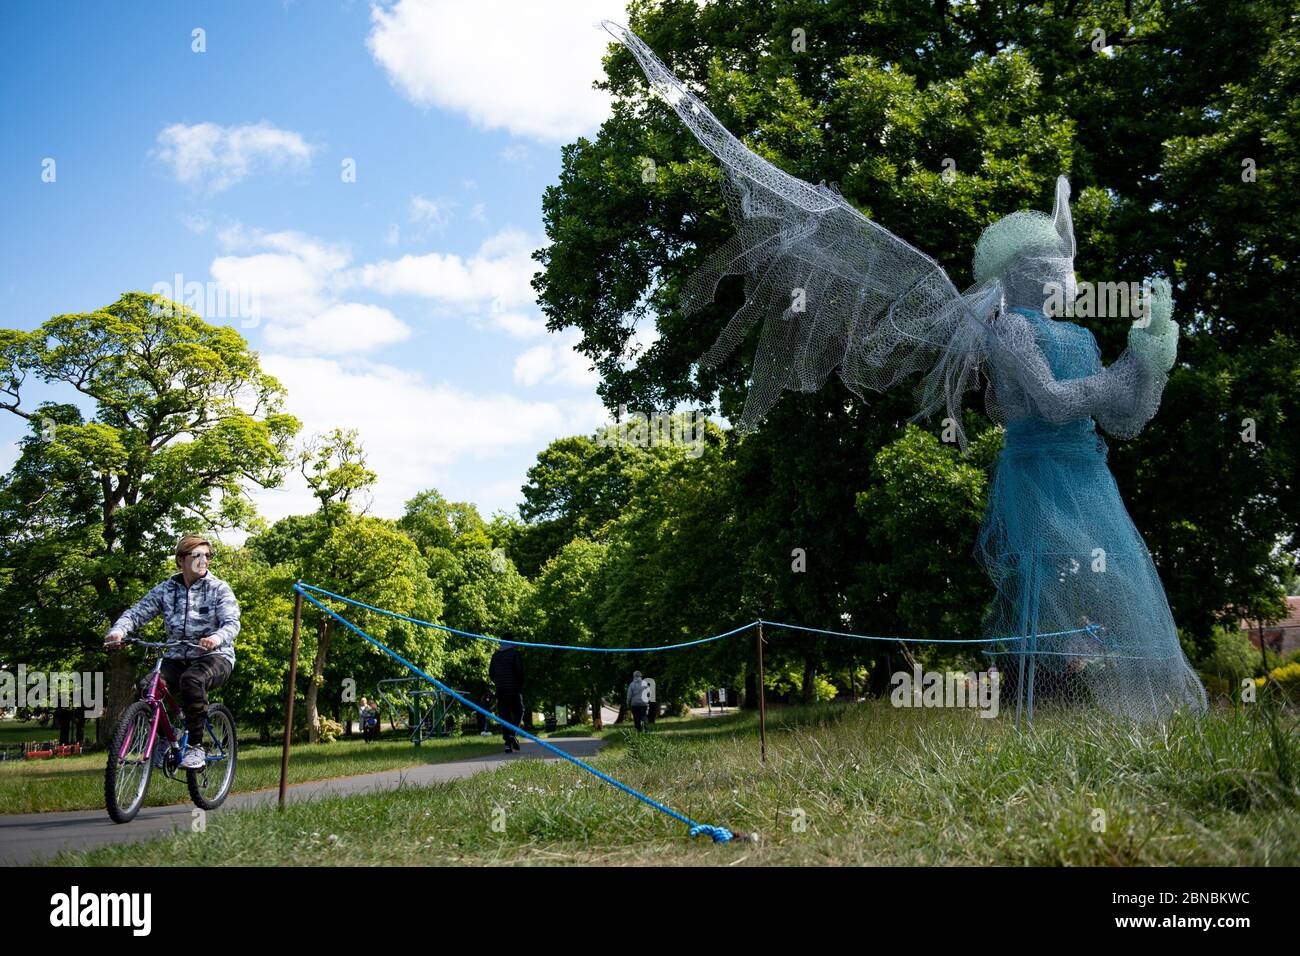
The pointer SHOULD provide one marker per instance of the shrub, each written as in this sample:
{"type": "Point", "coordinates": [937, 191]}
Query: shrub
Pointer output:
{"type": "Point", "coordinates": [1233, 657]}
{"type": "Point", "coordinates": [1286, 679]}
{"type": "Point", "coordinates": [330, 730]}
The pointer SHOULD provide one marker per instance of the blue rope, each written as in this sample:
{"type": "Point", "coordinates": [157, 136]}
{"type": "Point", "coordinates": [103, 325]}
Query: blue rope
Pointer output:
{"type": "Point", "coordinates": [500, 640]}
{"type": "Point", "coordinates": [672, 647]}
{"type": "Point", "coordinates": [719, 834]}
{"type": "Point", "coordinates": [925, 640]}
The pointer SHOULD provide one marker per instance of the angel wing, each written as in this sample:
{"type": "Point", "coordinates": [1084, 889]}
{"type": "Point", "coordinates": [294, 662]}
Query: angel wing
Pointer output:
{"type": "Point", "coordinates": [834, 290]}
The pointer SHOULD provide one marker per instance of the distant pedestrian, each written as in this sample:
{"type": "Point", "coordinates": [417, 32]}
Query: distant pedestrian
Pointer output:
{"type": "Point", "coordinates": [638, 698]}
{"type": "Point", "coordinates": [507, 672]}
{"type": "Point", "coordinates": [369, 719]}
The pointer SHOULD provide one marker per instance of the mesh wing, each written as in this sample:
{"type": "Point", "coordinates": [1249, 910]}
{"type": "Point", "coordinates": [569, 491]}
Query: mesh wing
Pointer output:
{"type": "Point", "coordinates": [832, 289]}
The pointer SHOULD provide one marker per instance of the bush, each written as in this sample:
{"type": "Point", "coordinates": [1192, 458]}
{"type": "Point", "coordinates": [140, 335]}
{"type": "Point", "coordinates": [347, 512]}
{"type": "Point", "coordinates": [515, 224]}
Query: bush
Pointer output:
{"type": "Point", "coordinates": [330, 730]}
{"type": "Point", "coordinates": [1286, 679]}
{"type": "Point", "coordinates": [1217, 686]}
{"type": "Point", "coordinates": [1233, 658]}
{"type": "Point", "coordinates": [788, 682]}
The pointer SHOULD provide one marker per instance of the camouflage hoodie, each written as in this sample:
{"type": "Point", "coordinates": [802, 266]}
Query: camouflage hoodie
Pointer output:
{"type": "Point", "coordinates": [207, 608]}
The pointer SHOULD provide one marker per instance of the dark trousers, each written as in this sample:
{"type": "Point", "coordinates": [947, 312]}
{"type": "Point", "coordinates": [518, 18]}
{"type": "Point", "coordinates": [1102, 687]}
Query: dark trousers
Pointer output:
{"type": "Point", "coordinates": [638, 715]}
{"type": "Point", "coordinates": [194, 679]}
{"type": "Point", "coordinates": [510, 707]}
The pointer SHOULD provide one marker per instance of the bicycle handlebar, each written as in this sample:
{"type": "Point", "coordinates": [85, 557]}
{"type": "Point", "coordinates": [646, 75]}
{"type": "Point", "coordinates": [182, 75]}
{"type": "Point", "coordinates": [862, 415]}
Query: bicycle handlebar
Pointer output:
{"type": "Point", "coordinates": [136, 640]}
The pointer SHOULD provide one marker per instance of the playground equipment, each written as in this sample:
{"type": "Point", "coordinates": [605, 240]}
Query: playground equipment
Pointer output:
{"type": "Point", "coordinates": [425, 711]}
{"type": "Point", "coordinates": [48, 748]}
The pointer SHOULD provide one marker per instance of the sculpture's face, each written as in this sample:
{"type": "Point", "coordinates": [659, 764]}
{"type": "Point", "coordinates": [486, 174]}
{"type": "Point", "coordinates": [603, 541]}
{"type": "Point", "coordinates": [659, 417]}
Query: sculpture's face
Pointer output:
{"type": "Point", "coordinates": [1041, 279]}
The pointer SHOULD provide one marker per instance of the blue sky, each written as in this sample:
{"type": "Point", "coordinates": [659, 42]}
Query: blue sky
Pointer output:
{"type": "Point", "coordinates": [397, 303]}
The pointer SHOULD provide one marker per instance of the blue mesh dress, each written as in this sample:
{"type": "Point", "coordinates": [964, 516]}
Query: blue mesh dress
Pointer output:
{"type": "Point", "coordinates": [1071, 570]}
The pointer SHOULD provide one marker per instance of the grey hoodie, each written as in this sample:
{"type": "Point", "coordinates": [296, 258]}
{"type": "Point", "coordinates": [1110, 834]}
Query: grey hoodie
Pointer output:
{"type": "Point", "coordinates": [638, 692]}
{"type": "Point", "coordinates": [207, 608]}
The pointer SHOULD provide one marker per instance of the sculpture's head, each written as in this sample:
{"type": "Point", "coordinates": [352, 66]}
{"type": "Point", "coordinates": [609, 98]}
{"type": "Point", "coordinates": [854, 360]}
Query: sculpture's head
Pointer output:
{"type": "Point", "coordinates": [1032, 253]}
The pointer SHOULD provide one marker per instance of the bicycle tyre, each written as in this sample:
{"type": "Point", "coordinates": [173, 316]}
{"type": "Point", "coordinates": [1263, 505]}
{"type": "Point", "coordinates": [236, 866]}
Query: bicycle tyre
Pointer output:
{"type": "Point", "coordinates": [222, 724]}
{"type": "Point", "coordinates": [122, 776]}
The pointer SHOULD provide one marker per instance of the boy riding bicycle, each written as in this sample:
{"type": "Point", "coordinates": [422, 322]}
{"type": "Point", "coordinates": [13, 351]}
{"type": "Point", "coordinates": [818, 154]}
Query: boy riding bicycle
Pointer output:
{"type": "Point", "coordinates": [196, 606]}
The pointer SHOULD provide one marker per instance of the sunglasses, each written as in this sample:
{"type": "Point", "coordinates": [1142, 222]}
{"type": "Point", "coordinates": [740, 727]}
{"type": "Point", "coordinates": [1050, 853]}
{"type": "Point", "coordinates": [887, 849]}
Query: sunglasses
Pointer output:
{"type": "Point", "coordinates": [205, 555]}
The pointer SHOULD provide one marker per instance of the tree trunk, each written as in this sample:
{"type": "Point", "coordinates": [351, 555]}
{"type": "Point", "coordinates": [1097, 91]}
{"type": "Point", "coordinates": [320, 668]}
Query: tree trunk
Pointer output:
{"type": "Point", "coordinates": [317, 672]}
{"type": "Point", "coordinates": [751, 689]}
{"type": "Point", "coordinates": [809, 680]}
{"type": "Point", "coordinates": [121, 693]}
{"type": "Point", "coordinates": [597, 721]}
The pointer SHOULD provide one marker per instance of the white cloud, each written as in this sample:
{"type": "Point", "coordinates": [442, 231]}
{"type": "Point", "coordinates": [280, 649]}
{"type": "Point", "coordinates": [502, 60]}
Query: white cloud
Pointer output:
{"type": "Point", "coordinates": [216, 157]}
{"type": "Point", "coordinates": [554, 363]}
{"type": "Point", "coordinates": [344, 328]}
{"type": "Point", "coordinates": [430, 215]}
{"type": "Point", "coordinates": [416, 434]}
{"type": "Point", "coordinates": [515, 154]}
{"type": "Point", "coordinates": [297, 285]}
{"type": "Point", "coordinates": [500, 271]}
{"type": "Point", "coordinates": [518, 325]}
{"type": "Point", "coordinates": [644, 335]}
{"type": "Point", "coordinates": [301, 285]}
{"type": "Point", "coordinates": [293, 281]}
{"type": "Point", "coordinates": [450, 54]}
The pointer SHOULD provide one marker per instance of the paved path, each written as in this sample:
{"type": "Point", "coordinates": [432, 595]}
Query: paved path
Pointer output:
{"type": "Point", "coordinates": [28, 837]}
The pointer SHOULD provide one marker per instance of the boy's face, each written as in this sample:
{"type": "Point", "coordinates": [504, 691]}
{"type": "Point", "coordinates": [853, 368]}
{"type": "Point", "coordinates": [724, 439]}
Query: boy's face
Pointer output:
{"type": "Point", "coordinates": [195, 561]}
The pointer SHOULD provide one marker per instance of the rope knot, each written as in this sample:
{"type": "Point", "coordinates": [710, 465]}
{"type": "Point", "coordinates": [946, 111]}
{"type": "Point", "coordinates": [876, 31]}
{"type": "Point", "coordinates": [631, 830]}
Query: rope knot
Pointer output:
{"type": "Point", "coordinates": [719, 834]}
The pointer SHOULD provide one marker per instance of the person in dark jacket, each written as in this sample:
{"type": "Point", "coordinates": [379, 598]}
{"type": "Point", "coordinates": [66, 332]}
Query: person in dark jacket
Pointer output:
{"type": "Point", "coordinates": [507, 672]}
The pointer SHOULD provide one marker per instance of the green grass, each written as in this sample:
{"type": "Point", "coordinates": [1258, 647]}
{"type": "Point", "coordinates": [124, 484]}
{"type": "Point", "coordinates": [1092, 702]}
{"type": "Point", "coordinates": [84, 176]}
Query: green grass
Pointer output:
{"type": "Point", "coordinates": [21, 731]}
{"type": "Point", "coordinates": [843, 785]}
{"type": "Point", "coordinates": [77, 783]}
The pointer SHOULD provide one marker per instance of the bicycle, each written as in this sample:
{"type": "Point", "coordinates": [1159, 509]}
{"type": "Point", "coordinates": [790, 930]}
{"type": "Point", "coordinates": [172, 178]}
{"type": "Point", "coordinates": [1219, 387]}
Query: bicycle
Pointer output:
{"type": "Point", "coordinates": [134, 754]}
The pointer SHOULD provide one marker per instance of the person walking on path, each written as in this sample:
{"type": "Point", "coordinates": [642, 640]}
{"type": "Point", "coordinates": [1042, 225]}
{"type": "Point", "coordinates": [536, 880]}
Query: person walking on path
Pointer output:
{"type": "Point", "coordinates": [506, 672]}
{"type": "Point", "coordinates": [638, 698]}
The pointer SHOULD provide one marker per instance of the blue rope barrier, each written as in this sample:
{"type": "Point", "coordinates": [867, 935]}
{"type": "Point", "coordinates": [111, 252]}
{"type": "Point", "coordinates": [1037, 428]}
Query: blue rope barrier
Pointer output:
{"type": "Point", "coordinates": [502, 640]}
{"type": "Point", "coordinates": [718, 834]}
{"type": "Point", "coordinates": [1090, 629]}
{"type": "Point", "coordinates": [926, 640]}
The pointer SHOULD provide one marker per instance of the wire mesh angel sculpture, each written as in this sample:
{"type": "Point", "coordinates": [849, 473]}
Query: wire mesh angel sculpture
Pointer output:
{"type": "Point", "coordinates": [1080, 614]}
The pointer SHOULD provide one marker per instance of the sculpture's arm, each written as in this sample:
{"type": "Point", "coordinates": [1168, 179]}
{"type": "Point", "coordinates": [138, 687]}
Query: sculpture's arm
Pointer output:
{"type": "Point", "coordinates": [1122, 397]}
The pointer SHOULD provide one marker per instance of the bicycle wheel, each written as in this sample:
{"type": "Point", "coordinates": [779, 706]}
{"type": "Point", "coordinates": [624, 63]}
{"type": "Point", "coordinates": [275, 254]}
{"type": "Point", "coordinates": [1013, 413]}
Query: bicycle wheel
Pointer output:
{"type": "Point", "coordinates": [210, 786]}
{"type": "Point", "coordinates": [127, 776]}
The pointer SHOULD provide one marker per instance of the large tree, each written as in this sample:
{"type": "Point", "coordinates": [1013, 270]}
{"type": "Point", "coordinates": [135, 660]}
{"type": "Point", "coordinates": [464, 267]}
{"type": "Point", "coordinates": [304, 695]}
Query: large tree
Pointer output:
{"type": "Point", "coordinates": [483, 591]}
{"type": "Point", "coordinates": [364, 558]}
{"type": "Point", "coordinates": [172, 418]}
{"type": "Point", "coordinates": [935, 120]}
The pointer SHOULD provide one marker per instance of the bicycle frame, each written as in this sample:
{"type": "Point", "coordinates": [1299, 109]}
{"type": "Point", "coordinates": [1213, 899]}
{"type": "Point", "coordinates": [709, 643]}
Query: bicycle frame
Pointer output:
{"type": "Point", "coordinates": [163, 704]}
{"type": "Point", "coordinates": [158, 694]}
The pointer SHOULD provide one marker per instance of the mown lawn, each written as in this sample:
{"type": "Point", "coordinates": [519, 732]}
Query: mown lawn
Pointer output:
{"type": "Point", "coordinates": [843, 785]}
{"type": "Point", "coordinates": [22, 731]}
{"type": "Point", "coordinates": [77, 783]}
